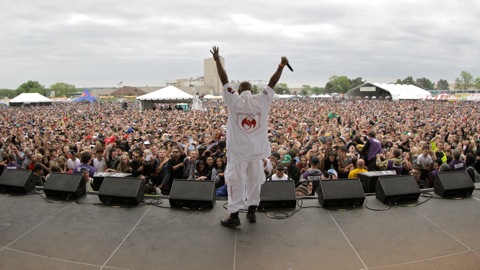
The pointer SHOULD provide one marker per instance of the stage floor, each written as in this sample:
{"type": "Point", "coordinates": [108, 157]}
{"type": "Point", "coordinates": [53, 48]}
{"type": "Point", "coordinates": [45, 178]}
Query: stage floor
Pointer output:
{"type": "Point", "coordinates": [439, 234]}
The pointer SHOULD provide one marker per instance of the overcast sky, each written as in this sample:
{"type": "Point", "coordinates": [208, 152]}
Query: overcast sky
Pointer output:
{"type": "Point", "coordinates": [102, 42]}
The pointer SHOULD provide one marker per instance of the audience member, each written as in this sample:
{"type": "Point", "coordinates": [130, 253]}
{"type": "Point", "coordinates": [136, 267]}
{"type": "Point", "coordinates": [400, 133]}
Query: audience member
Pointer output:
{"type": "Point", "coordinates": [358, 169]}
{"type": "Point", "coordinates": [291, 168]}
{"type": "Point", "coordinates": [279, 173]}
{"type": "Point", "coordinates": [457, 164]}
{"type": "Point", "coordinates": [370, 150]}
{"type": "Point", "coordinates": [313, 174]}
{"type": "Point", "coordinates": [416, 172]}
{"type": "Point", "coordinates": [73, 128]}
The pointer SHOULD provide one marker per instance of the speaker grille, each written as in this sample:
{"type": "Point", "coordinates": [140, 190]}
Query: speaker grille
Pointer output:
{"type": "Point", "coordinates": [277, 194]}
{"type": "Point", "coordinates": [341, 193]}
{"type": "Point", "coordinates": [63, 185]}
{"type": "Point", "coordinates": [122, 191]}
{"type": "Point", "coordinates": [192, 194]}
{"type": "Point", "coordinates": [397, 189]}
{"type": "Point", "coordinates": [17, 181]}
{"type": "Point", "coordinates": [453, 184]}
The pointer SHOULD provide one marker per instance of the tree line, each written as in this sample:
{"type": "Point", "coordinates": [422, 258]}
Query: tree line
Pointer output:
{"type": "Point", "coordinates": [342, 84]}
{"type": "Point", "coordinates": [59, 89]}
{"type": "Point", "coordinates": [335, 84]}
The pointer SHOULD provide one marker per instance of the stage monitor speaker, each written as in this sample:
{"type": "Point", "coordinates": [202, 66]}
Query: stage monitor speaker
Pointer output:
{"type": "Point", "coordinates": [17, 181]}
{"type": "Point", "coordinates": [65, 186]}
{"type": "Point", "coordinates": [277, 195]}
{"type": "Point", "coordinates": [369, 179]}
{"type": "Point", "coordinates": [453, 184]}
{"type": "Point", "coordinates": [192, 194]}
{"type": "Point", "coordinates": [122, 191]}
{"type": "Point", "coordinates": [341, 193]}
{"type": "Point", "coordinates": [397, 189]}
{"type": "Point", "coordinates": [97, 182]}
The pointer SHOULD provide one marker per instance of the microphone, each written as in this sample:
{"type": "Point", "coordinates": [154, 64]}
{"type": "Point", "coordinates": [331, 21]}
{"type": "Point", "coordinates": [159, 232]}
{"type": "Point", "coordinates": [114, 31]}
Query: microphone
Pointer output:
{"type": "Point", "coordinates": [289, 67]}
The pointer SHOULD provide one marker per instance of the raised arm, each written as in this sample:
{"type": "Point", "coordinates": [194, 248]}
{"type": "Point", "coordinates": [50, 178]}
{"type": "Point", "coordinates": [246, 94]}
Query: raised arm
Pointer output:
{"type": "Point", "coordinates": [278, 73]}
{"type": "Point", "coordinates": [221, 71]}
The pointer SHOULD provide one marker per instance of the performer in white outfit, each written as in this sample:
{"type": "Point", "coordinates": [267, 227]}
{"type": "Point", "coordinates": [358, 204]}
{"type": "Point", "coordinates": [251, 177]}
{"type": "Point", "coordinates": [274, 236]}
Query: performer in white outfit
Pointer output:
{"type": "Point", "coordinates": [247, 141]}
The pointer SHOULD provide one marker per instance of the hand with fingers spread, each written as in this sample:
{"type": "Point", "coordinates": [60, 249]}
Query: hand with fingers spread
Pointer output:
{"type": "Point", "coordinates": [215, 51]}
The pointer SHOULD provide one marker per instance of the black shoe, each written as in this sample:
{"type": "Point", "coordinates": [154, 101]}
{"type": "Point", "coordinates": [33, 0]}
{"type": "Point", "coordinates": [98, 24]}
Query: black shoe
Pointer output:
{"type": "Point", "coordinates": [251, 217]}
{"type": "Point", "coordinates": [231, 221]}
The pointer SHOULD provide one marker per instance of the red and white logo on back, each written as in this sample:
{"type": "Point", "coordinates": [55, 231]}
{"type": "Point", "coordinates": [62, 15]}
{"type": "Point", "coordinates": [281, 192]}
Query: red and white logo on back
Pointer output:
{"type": "Point", "coordinates": [248, 123]}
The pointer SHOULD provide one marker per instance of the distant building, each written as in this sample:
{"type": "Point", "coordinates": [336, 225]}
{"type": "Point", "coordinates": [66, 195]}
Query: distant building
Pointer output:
{"type": "Point", "coordinates": [127, 91]}
{"type": "Point", "coordinates": [191, 86]}
{"type": "Point", "coordinates": [212, 82]}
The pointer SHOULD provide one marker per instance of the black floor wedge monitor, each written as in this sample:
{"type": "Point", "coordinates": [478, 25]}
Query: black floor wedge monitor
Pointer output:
{"type": "Point", "coordinates": [341, 193]}
{"type": "Point", "coordinates": [453, 184]}
{"type": "Point", "coordinates": [65, 186]}
{"type": "Point", "coordinates": [277, 195]}
{"type": "Point", "coordinates": [192, 194]}
{"type": "Point", "coordinates": [17, 181]}
{"type": "Point", "coordinates": [397, 189]}
{"type": "Point", "coordinates": [122, 191]}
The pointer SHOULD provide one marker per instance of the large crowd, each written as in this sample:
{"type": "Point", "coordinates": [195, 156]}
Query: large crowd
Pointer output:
{"type": "Point", "coordinates": [309, 139]}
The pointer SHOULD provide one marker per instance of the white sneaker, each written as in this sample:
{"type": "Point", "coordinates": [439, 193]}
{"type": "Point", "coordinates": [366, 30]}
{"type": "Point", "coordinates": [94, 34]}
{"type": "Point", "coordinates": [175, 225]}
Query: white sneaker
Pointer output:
{"type": "Point", "coordinates": [158, 191]}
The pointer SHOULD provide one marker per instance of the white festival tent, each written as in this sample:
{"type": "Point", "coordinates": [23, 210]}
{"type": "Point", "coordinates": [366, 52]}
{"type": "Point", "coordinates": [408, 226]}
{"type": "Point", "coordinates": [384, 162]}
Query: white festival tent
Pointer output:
{"type": "Point", "coordinates": [169, 94]}
{"type": "Point", "coordinates": [321, 96]}
{"type": "Point", "coordinates": [212, 97]}
{"type": "Point", "coordinates": [443, 96]}
{"type": "Point", "coordinates": [473, 97]}
{"type": "Point", "coordinates": [29, 99]}
{"type": "Point", "coordinates": [393, 91]}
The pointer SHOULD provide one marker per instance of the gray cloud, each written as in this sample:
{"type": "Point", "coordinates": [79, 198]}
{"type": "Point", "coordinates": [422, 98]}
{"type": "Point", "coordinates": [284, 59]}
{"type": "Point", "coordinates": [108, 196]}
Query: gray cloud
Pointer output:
{"type": "Point", "coordinates": [99, 43]}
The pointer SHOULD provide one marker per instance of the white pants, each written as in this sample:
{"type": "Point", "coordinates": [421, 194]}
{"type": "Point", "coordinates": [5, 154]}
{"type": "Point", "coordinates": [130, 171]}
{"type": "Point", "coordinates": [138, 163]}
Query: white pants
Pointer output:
{"type": "Point", "coordinates": [244, 180]}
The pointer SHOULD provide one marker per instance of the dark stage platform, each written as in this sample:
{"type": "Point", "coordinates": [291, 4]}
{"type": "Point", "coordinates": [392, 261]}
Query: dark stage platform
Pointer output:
{"type": "Point", "coordinates": [439, 234]}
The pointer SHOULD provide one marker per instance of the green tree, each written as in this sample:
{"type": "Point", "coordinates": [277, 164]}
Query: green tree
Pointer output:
{"type": "Point", "coordinates": [356, 82]}
{"type": "Point", "coordinates": [409, 80]}
{"type": "Point", "coordinates": [329, 88]}
{"type": "Point", "coordinates": [442, 85]}
{"type": "Point", "coordinates": [318, 90]}
{"type": "Point", "coordinates": [399, 81]}
{"type": "Point", "coordinates": [464, 82]}
{"type": "Point", "coordinates": [305, 90]}
{"type": "Point", "coordinates": [7, 93]}
{"type": "Point", "coordinates": [338, 84]}
{"type": "Point", "coordinates": [62, 89]}
{"type": "Point", "coordinates": [282, 89]}
{"type": "Point", "coordinates": [424, 83]}
{"type": "Point", "coordinates": [31, 87]}
{"type": "Point", "coordinates": [477, 83]}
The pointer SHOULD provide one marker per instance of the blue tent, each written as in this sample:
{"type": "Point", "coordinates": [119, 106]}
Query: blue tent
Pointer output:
{"type": "Point", "coordinates": [86, 96]}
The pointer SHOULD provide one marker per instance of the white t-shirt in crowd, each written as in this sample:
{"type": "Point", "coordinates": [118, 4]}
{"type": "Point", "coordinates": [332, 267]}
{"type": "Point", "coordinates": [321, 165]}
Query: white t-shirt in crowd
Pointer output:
{"type": "Point", "coordinates": [73, 164]}
{"type": "Point", "coordinates": [99, 164]}
{"type": "Point", "coordinates": [276, 178]}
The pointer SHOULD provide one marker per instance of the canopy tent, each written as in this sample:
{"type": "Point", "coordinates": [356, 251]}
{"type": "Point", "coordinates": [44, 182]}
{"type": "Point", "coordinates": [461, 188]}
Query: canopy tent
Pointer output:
{"type": "Point", "coordinates": [86, 96]}
{"type": "Point", "coordinates": [30, 99]}
{"type": "Point", "coordinates": [443, 96]}
{"type": "Point", "coordinates": [321, 96]}
{"type": "Point", "coordinates": [169, 94]}
{"type": "Point", "coordinates": [473, 97]}
{"type": "Point", "coordinates": [212, 97]}
{"type": "Point", "coordinates": [393, 91]}
{"type": "Point", "coordinates": [278, 96]}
